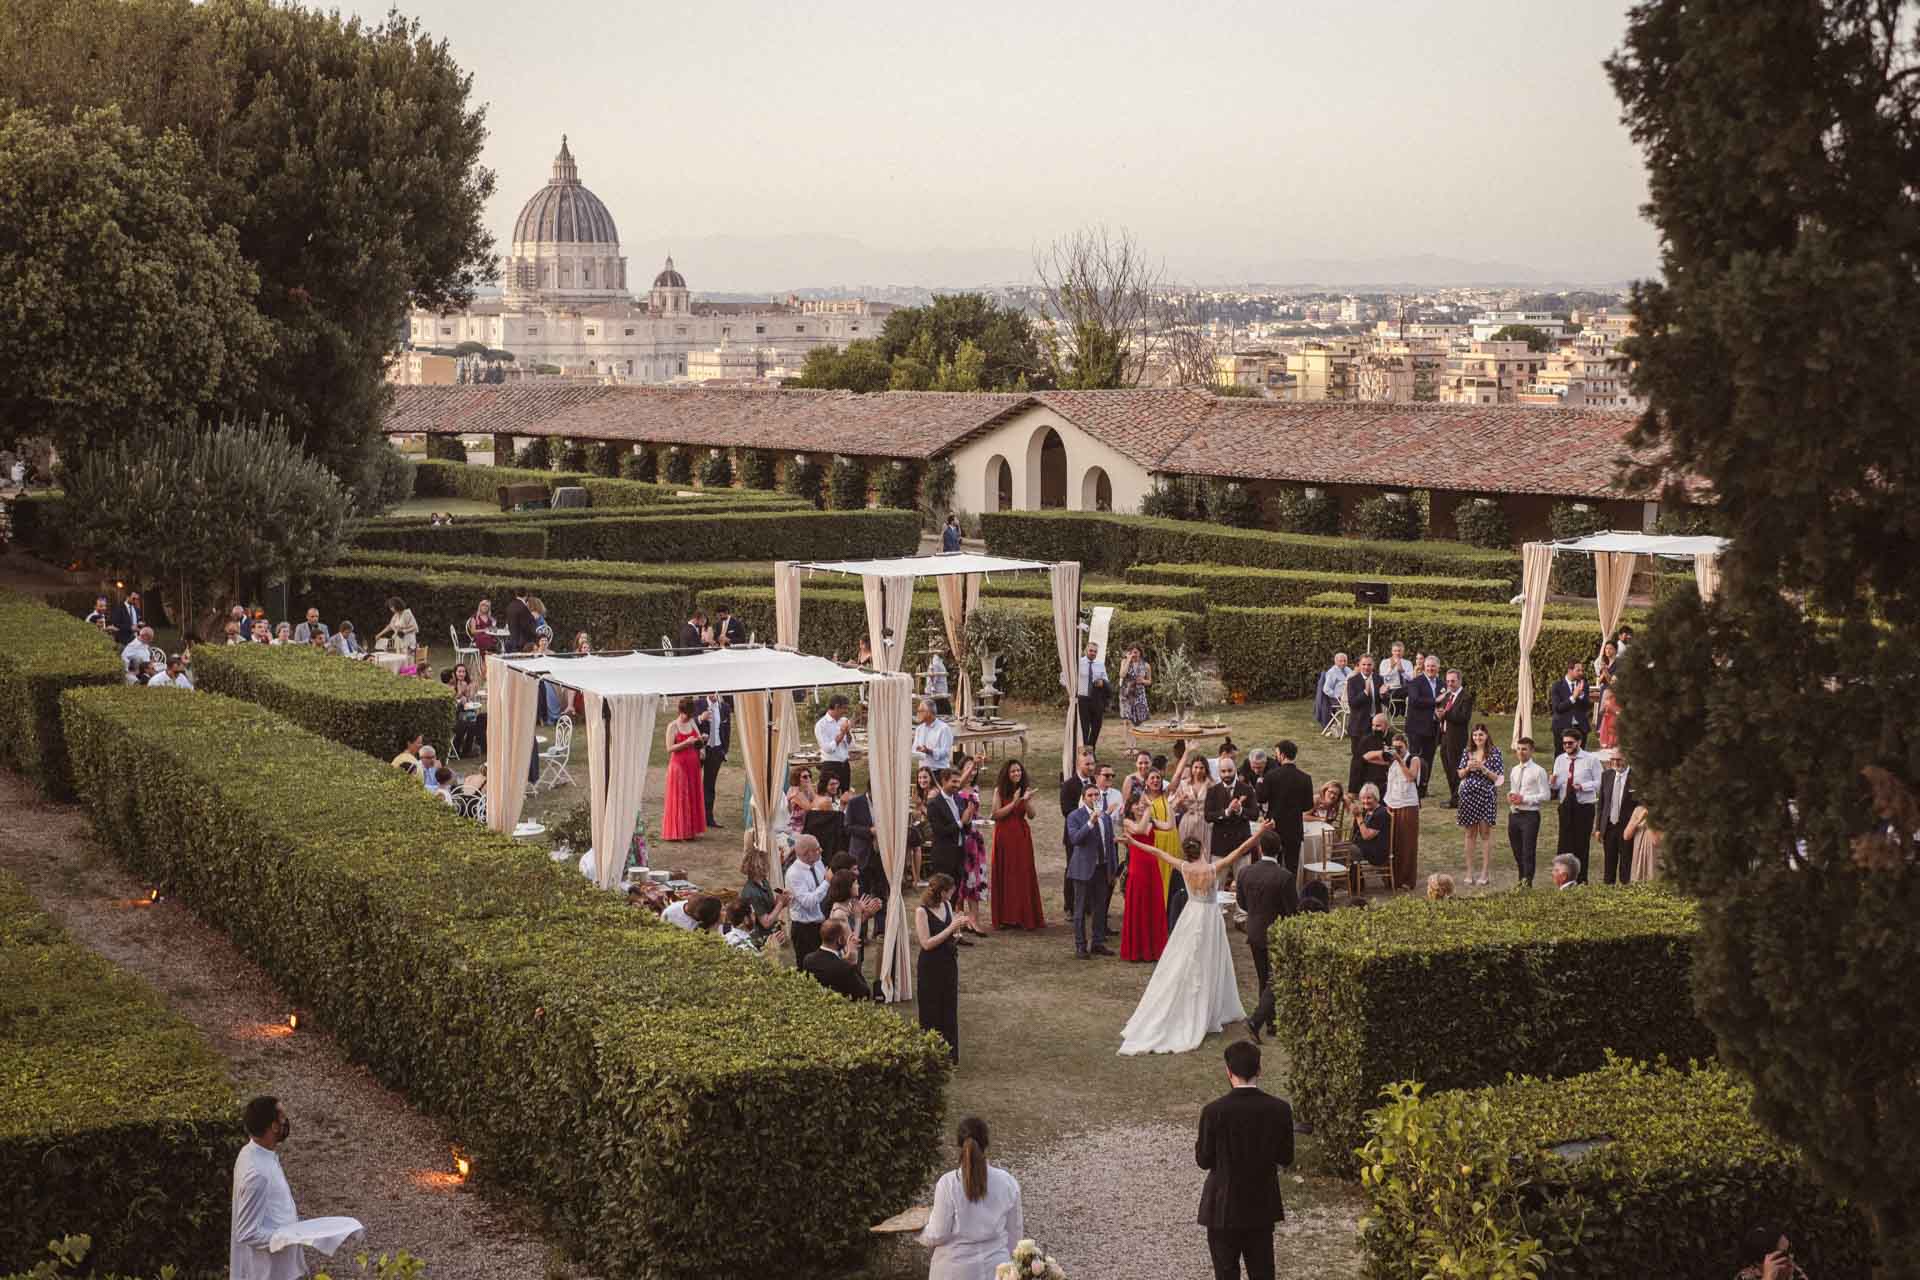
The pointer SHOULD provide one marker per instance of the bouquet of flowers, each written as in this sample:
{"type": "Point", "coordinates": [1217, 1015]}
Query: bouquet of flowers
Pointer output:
{"type": "Point", "coordinates": [1030, 1262]}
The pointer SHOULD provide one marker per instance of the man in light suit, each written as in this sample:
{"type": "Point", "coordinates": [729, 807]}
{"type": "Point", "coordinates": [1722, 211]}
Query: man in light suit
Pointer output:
{"type": "Point", "coordinates": [1091, 864]}
{"type": "Point", "coordinates": [1246, 1138]}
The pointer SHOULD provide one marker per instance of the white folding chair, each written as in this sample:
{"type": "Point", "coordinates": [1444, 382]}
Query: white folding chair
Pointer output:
{"type": "Point", "coordinates": [467, 653]}
{"type": "Point", "coordinates": [553, 761]}
{"type": "Point", "coordinates": [1336, 726]}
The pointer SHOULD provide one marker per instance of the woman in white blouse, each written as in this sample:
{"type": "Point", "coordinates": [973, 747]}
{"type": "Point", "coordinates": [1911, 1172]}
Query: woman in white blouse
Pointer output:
{"type": "Point", "coordinates": [976, 1219]}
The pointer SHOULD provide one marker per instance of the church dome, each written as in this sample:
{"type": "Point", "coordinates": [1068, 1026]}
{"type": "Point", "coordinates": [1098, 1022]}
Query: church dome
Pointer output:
{"type": "Point", "coordinates": [563, 211]}
{"type": "Point", "coordinates": [669, 278]}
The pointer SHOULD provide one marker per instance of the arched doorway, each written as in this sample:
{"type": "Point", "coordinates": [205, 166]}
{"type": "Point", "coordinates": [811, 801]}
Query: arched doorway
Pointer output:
{"type": "Point", "coordinates": [1053, 470]}
{"type": "Point", "coordinates": [1096, 490]}
{"type": "Point", "coordinates": [999, 483]}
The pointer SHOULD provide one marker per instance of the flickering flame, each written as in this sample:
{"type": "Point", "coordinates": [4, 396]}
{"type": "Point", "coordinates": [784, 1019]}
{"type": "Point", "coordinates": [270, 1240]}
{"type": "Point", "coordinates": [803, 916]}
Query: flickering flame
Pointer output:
{"type": "Point", "coordinates": [462, 1165]}
{"type": "Point", "coordinates": [293, 1022]}
{"type": "Point", "coordinates": [153, 895]}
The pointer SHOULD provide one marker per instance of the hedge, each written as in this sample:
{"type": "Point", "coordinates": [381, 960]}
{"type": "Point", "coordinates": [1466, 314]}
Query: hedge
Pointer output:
{"type": "Point", "coordinates": [742, 535]}
{"type": "Point", "coordinates": [623, 615]}
{"type": "Point", "coordinates": [835, 622]}
{"type": "Point", "coordinates": [1114, 543]}
{"type": "Point", "coordinates": [1230, 584]}
{"type": "Point", "coordinates": [42, 652]}
{"type": "Point", "coordinates": [40, 525]}
{"type": "Point", "coordinates": [117, 1119]}
{"type": "Point", "coordinates": [1460, 992]}
{"type": "Point", "coordinates": [718, 573]}
{"type": "Point", "coordinates": [576, 1049]}
{"type": "Point", "coordinates": [1564, 610]}
{"type": "Point", "coordinates": [1683, 1173]}
{"type": "Point", "coordinates": [360, 704]}
{"type": "Point", "coordinates": [436, 479]}
{"type": "Point", "coordinates": [1282, 652]}
{"type": "Point", "coordinates": [481, 538]}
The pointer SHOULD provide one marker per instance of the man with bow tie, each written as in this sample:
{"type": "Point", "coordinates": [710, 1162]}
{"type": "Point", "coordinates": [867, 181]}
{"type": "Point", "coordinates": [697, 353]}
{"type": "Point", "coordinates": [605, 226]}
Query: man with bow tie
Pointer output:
{"type": "Point", "coordinates": [1091, 864]}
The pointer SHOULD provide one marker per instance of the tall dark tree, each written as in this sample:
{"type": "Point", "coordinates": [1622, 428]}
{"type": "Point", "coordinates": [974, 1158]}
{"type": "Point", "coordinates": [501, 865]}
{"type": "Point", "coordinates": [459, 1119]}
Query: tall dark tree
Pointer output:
{"type": "Point", "coordinates": [1010, 355]}
{"type": "Point", "coordinates": [1778, 748]}
{"type": "Point", "coordinates": [345, 155]}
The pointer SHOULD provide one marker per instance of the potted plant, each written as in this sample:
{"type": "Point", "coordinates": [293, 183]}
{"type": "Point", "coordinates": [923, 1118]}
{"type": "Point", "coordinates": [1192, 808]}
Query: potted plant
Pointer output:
{"type": "Point", "coordinates": [1177, 678]}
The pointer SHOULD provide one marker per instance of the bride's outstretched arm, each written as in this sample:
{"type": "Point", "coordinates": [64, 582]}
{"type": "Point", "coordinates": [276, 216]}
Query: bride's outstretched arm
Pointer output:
{"type": "Point", "coordinates": [1157, 852]}
{"type": "Point", "coordinates": [1244, 849]}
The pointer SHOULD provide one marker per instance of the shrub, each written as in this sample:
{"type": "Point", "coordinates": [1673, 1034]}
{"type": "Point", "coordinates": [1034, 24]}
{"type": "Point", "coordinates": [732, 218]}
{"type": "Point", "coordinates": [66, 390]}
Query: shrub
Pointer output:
{"type": "Point", "coordinates": [40, 525]}
{"type": "Point", "coordinates": [1302, 511]}
{"type": "Point", "coordinates": [1280, 652]}
{"type": "Point", "coordinates": [606, 458]}
{"type": "Point", "coordinates": [1573, 574]}
{"type": "Point", "coordinates": [359, 704]}
{"type": "Point", "coordinates": [1681, 1171]}
{"type": "Point", "coordinates": [804, 479]}
{"type": "Point", "coordinates": [575, 1048]}
{"type": "Point", "coordinates": [900, 485]}
{"type": "Point", "coordinates": [444, 448]}
{"type": "Point", "coordinates": [716, 573]}
{"type": "Point", "coordinates": [641, 464]}
{"type": "Point", "coordinates": [1237, 584]}
{"type": "Point", "coordinates": [1482, 522]}
{"type": "Point", "coordinates": [441, 479]}
{"type": "Point", "coordinates": [716, 470]}
{"type": "Point", "coordinates": [1232, 504]}
{"type": "Point", "coordinates": [834, 621]}
{"type": "Point", "coordinates": [1109, 543]}
{"type": "Point", "coordinates": [937, 493]}
{"type": "Point", "coordinates": [758, 469]}
{"type": "Point", "coordinates": [42, 653]}
{"type": "Point", "coordinates": [617, 615]}
{"type": "Point", "coordinates": [1540, 983]}
{"type": "Point", "coordinates": [749, 535]}
{"type": "Point", "coordinates": [388, 478]}
{"type": "Point", "coordinates": [522, 538]}
{"type": "Point", "coordinates": [679, 466]}
{"type": "Point", "coordinates": [1563, 610]}
{"type": "Point", "coordinates": [1167, 500]}
{"type": "Point", "coordinates": [537, 456]}
{"type": "Point", "coordinates": [847, 488]}
{"type": "Point", "coordinates": [573, 455]}
{"type": "Point", "coordinates": [117, 1119]}
{"type": "Point", "coordinates": [1389, 518]}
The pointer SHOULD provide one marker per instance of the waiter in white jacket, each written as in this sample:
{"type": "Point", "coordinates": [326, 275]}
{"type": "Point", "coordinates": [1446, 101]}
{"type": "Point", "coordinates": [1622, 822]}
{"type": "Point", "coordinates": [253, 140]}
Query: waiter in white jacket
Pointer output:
{"type": "Point", "coordinates": [262, 1201]}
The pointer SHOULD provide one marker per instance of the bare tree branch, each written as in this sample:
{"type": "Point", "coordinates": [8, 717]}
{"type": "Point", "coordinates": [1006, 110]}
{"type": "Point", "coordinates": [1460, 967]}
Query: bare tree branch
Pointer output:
{"type": "Point", "coordinates": [1100, 295]}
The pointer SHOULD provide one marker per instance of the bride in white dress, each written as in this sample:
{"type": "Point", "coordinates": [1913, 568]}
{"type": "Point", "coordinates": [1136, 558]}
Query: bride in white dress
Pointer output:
{"type": "Point", "coordinates": [1193, 992]}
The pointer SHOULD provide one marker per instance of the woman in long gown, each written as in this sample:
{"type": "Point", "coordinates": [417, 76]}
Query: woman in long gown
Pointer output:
{"type": "Point", "coordinates": [1193, 992]}
{"type": "Point", "coordinates": [1143, 919]}
{"type": "Point", "coordinates": [937, 976]}
{"type": "Point", "coordinates": [1166, 834]}
{"type": "Point", "coordinates": [684, 816]}
{"type": "Point", "coordinates": [1015, 894]}
{"type": "Point", "coordinates": [1190, 821]}
{"type": "Point", "coordinates": [973, 882]}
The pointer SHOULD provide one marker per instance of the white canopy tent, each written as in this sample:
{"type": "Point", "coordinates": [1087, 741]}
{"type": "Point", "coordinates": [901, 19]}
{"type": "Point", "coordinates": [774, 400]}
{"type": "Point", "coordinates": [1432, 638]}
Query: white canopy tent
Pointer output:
{"type": "Point", "coordinates": [623, 694]}
{"type": "Point", "coordinates": [889, 590]}
{"type": "Point", "coordinates": [1615, 558]}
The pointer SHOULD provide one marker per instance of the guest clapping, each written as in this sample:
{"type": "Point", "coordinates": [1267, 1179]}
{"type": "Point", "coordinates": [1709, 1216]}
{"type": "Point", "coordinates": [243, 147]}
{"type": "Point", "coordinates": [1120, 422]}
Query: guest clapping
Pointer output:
{"type": "Point", "coordinates": [835, 964]}
{"type": "Point", "coordinates": [935, 923]}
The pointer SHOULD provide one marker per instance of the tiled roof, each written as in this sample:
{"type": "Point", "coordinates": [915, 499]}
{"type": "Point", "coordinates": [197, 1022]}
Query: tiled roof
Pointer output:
{"type": "Point", "coordinates": [887, 424]}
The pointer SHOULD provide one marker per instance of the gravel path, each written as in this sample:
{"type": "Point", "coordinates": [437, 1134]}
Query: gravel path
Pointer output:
{"type": "Point", "coordinates": [357, 1148]}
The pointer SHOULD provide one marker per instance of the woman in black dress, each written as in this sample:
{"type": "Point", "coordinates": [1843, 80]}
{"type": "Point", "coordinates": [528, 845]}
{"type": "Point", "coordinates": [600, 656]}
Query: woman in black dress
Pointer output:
{"type": "Point", "coordinates": [938, 974]}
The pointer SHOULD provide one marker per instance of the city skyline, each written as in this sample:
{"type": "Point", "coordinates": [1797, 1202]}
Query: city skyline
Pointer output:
{"type": "Point", "coordinates": [770, 148]}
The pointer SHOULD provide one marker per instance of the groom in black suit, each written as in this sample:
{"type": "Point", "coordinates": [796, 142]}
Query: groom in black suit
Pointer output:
{"type": "Point", "coordinates": [1245, 1138]}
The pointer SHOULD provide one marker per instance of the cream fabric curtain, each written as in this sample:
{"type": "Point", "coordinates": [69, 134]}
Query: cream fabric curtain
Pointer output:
{"type": "Point", "coordinates": [617, 773]}
{"type": "Point", "coordinates": [786, 605]}
{"type": "Point", "coordinates": [1706, 573]}
{"type": "Point", "coordinates": [1066, 635]}
{"type": "Point", "coordinates": [1536, 560]}
{"type": "Point", "coordinates": [889, 601]}
{"type": "Point", "coordinates": [1612, 577]}
{"type": "Point", "coordinates": [959, 596]}
{"type": "Point", "coordinates": [890, 766]}
{"type": "Point", "coordinates": [755, 736]}
{"type": "Point", "coordinates": [510, 700]}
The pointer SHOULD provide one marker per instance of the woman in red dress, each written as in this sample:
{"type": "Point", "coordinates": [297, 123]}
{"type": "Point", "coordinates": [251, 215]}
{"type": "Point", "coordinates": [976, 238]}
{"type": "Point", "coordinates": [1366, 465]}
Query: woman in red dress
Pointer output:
{"type": "Point", "coordinates": [1014, 885]}
{"type": "Point", "coordinates": [1143, 919]}
{"type": "Point", "coordinates": [685, 815]}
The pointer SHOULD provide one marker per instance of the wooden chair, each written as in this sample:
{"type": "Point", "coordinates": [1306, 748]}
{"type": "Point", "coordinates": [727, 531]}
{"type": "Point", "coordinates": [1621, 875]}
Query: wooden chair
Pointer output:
{"type": "Point", "coordinates": [1383, 872]}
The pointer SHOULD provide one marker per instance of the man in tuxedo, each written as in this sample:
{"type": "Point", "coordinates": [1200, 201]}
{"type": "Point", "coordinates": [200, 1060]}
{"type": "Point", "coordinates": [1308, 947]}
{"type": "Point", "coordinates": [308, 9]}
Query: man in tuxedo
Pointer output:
{"type": "Point", "coordinates": [1072, 795]}
{"type": "Point", "coordinates": [1091, 863]}
{"type": "Point", "coordinates": [1366, 698]}
{"type": "Point", "coordinates": [693, 638]}
{"type": "Point", "coordinates": [865, 850]}
{"type": "Point", "coordinates": [522, 632]}
{"type": "Point", "coordinates": [1572, 709]}
{"type": "Point", "coordinates": [1616, 806]}
{"type": "Point", "coordinates": [1266, 893]}
{"type": "Point", "coordinates": [714, 715]}
{"type": "Point", "coordinates": [1289, 795]}
{"type": "Point", "coordinates": [727, 629]}
{"type": "Point", "coordinates": [127, 618]}
{"type": "Point", "coordinates": [1246, 1137]}
{"type": "Point", "coordinates": [1423, 718]}
{"type": "Point", "coordinates": [1092, 693]}
{"type": "Point", "coordinates": [943, 820]}
{"type": "Point", "coordinates": [1455, 713]}
{"type": "Point", "coordinates": [834, 965]}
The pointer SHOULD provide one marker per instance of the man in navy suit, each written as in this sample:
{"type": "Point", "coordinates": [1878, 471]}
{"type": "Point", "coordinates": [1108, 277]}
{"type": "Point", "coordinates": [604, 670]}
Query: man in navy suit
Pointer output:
{"type": "Point", "coordinates": [1091, 865]}
{"type": "Point", "coordinates": [126, 619]}
{"type": "Point", "coordinates": [1366, 698]}
{"type": "Point", "coordinates": [1423, 721]}
{"type": "Point", "coordinates": [715, 717]}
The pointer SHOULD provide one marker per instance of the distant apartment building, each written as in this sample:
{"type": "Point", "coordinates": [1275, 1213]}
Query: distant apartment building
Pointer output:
{"type": "Point", "coordinates": [1590, 374]}
{"type": "Point", "coordinates": [1494, 321]}
{"type": "Point", "coordinates": [1605, 323]}
{"type": "Point", "coordinates": [1490, 373]}
{"type": "Point", "coordinates": [1323, 370]}
{"type": "Point", "coordinates": [1399, 372]}
{"type": "Point", "coordinates": [1259, 367]}
{"type": "Point", "coordinates": [1422, 331]}
{"type": "Point", "coordinates": [418, 369]}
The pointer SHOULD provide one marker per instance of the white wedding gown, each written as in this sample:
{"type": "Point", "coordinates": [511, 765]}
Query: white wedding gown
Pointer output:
{"type": "Point", "coordinates": [1193, 992]}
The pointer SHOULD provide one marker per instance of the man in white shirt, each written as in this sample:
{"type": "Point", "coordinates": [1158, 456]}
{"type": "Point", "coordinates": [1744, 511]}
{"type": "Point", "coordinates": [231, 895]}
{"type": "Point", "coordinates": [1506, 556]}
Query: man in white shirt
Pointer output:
{"type": "Point", "coordinates": [1332, 690]}
{"type": "Point", "coordinates": [807, 882]}
{"type": "Point", "coordinates": [1529, 790]}
{"type": "Point", "coordinates": [833, 733]}
{"type": "Point", "coordinates": [172, 678]}
{"type": "Point", "coordinates": [1396, 674]}
{"type": "Point", "coordinates": [1091, 688]}
{"type": "Point", "coordinates": [932, 739]}
{"type": "Point", "coordinates": [262, 1201]}
{"type": "Point", "coordinates": [139, 649]}
{"type": "Point", "coordinates": [1576, 785]}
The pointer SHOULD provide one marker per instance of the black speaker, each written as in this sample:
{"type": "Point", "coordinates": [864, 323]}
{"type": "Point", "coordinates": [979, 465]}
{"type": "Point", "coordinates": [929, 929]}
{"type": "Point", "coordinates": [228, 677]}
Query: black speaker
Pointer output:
{"type": "Point", "coordinates": [1372, 593]}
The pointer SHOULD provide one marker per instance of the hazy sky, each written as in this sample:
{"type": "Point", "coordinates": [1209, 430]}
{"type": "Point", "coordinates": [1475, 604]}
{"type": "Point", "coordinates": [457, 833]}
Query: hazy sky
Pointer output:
{"type": "Point", "coordinates": [1232, 138]}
